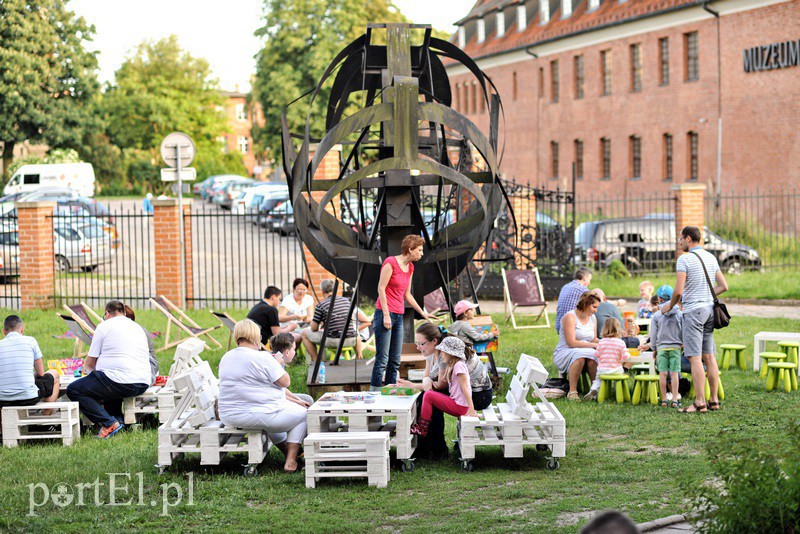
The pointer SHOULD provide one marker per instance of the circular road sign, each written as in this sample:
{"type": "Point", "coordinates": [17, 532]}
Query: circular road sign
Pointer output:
{"type": "Point", "coordinates": [169, 149]}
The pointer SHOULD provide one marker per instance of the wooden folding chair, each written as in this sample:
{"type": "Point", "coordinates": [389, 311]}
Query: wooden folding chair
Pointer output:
{"type": "Point", "coordinates": [83, 334]}
{"type": "Point", "coordinates": [435, 305]}
{"type": "Point", "coordinates": [229, 323]}
{"type": "Point", "coordinates": [524, 289]}
{"type": "Point", "coordinates": [84, 315]}
{"type": "Point", "coordinates": [181, 321]}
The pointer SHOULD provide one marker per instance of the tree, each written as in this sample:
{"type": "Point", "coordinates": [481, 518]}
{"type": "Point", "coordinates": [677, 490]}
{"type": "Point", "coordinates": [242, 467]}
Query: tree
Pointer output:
{"type": "Point", "coordinates": [47, 79]}
{"type": "Point", "coordinates": [301, 38]}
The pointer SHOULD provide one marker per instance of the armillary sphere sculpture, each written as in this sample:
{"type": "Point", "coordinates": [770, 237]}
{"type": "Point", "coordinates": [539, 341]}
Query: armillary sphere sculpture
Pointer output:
{"type": "Point", "coordinates": [406, 140]}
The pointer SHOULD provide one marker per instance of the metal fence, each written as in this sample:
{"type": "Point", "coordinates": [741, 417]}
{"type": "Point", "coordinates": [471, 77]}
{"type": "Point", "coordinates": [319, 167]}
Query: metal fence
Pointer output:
{"type": "Point", "coordinates": [761, 227]}
{"type": "Point", "coordinates": [9, 263]}
{"type": "Point", "coordinates": [236, 256]}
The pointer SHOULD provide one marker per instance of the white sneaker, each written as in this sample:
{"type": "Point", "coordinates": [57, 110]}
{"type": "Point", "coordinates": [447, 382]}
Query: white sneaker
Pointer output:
{"type": "Point", "coordinates": [669, 396]}
{"type": "Point", "coordinates": [592, 395]}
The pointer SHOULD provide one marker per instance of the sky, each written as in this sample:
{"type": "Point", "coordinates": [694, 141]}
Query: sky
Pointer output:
{"type": "Point", "coordinates": [220, 32]}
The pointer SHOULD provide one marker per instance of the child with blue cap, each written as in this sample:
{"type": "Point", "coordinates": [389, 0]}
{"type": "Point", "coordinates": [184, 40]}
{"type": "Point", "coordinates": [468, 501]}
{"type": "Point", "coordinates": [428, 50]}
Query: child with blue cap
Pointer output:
{"type": "Point", "coordinates": [666, 342]}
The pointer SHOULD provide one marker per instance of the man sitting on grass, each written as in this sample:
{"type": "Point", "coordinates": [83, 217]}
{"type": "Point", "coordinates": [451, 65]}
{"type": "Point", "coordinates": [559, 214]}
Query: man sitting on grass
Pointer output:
{"type": "Point", "coordinates": [23, 380]}
{"type": "Point", "coordinates": [119, 367]}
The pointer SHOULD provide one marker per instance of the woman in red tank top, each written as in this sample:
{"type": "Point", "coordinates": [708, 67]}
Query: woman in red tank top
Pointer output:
{"type": "Point", "coordinates": [394, 290]}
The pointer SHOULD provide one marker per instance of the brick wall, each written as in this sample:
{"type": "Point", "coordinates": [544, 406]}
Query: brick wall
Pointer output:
{"type": "Point", "coordinates": [689, 208]}
{"type": "Point", "coordinates": [36, 254]}
{"type": "Point", "coordinates": [166, 229]}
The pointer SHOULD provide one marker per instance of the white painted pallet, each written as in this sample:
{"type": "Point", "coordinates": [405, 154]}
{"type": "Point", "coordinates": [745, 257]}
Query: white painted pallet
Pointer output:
{"type": "Point", "coordinates": [347, 454]}
{"type": "Point", "coordinates": [516, 423]}
{"type": "Point", "coordinates": [146, 403]}
{"type": "Point", "coordinates": [17, 421]}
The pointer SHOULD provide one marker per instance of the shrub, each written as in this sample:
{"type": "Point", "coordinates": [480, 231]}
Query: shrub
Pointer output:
{"type": "Point", "coordinates": [617, 270]}
{"type": "Point", "coordinates": [758, 490]}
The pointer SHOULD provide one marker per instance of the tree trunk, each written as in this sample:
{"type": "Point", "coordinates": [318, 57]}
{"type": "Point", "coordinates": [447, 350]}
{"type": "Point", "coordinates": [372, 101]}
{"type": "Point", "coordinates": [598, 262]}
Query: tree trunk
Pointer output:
{"type": "Point", "coordinates": [8, 158]}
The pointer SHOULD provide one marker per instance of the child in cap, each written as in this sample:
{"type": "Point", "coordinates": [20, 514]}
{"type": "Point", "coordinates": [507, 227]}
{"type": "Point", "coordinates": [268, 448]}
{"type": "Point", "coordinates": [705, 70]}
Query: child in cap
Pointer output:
{"type": "Point", "coordinates": [465, 312]}
{"type": "Point", "coordinates": [646, 289]}
{"type": "Point", "coordinates": [459, 401]}
{"type": "Point", "coordinates": [666, 342]}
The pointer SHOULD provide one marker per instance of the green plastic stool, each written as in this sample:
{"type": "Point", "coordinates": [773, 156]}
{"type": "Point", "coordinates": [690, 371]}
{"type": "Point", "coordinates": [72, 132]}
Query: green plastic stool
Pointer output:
{"type": "Point", "coordinates": [620, 385]}
{"type": "Point", "coordinates": [348, 353]}
{"type": "Point", "coordinates": [738, 356]}
{"type": "Point", "coordinates": [785, 372]}
{"type": "Point", "coordinates": [707, 387]}
{"type": "Point", "coordinates": [791, 349]}
{"type": "Point", "coordinates": [770, 357]}
{"type": "Point", "coordinates": [645, 389]}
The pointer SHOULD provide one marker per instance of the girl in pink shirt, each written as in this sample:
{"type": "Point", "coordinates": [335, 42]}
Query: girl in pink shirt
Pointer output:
{"type": "Point", "coordinates": [611, 352]}
{"type": "Point", "coordinates": [459, 402]}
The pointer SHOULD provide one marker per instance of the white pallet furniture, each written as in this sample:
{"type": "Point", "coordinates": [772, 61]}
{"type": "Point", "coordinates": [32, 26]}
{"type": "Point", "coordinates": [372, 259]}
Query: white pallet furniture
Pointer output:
{"type": "Point", "coordinates": [760, 344]}
{"type": "Point", "coordinates": [347, 454]}
{"type": "Point", "coordinates": [516, 422]}
{"type": "Point", "coordinates": [17, 422]}
{"type": "Point", "coordinates": [187, 356]}
{"type": "Point", "coordinates": [389, 413]}
{"type": "Point", "coordinates": [146, 403]}
{"type": "Point", "coordinates": [193, 427]}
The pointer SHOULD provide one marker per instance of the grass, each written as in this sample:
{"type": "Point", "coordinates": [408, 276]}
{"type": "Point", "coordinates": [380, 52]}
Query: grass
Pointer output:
{"type": "Point", "coordinates": [631, 458]}
{"type": "Point", "coordinates": [769, 285]}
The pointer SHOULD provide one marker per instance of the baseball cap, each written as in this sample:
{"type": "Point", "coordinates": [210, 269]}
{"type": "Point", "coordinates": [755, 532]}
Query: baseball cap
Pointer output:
{"type": "Point", "coordinates": [664, 292]}
{"type": "Point", "coordinates": [453, 346]}
{"type": "Point", "coordinates": [462, 306]}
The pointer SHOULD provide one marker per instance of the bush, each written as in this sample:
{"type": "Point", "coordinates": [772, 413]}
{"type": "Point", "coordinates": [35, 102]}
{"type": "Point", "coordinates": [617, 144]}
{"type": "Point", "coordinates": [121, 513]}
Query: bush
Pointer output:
{"type": "Point", "coordinates": [617, 270]}
{"type": "Point", "coordinates": [758, 491]}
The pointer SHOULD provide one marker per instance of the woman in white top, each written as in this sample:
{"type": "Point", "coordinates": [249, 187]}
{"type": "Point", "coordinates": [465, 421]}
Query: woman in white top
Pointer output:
{"type": "Point", "coordinates": [297, 307]}
{"type": "Point", "coordinates": [252, 393]}
{"type": "Point", "coordinates": [577, 343]}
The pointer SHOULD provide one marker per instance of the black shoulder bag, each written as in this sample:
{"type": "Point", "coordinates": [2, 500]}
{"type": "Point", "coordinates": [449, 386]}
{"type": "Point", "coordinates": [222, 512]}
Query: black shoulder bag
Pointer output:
{"type": "Point", "coordinates": [721, 316]}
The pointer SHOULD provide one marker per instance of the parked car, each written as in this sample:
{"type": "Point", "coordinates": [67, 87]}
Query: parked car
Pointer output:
{"type": "Point", "coordinates": [9, 250]}
{"type": "Point", "coordinates": [270, 202]}
{"type": "Point", "coordinates": [197, 187]}
{"type": "Point", "coordinates": [251, 198]}
{"type": "Point", "coordinates": [281, 219]}
{"type": "Point", "coordinates": [82, 245]}
{"type": "Point", "coordinates": [78, 177]}
{"type": "Point", "coordinates": [217, 181]}
{"type": "Point", "coordinates": [223, 197]}
{"type": "Point", "coordinates": [649, 243]}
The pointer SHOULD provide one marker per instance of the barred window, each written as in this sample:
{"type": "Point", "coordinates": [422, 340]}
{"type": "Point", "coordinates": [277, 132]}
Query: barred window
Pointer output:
{"type": "Point", "coordinates": [636, 157]}
{"type": "Point", "coordinates": [554, 159]}
{"type": "Point", "coordinates": [458, 98]}
{"type": "Point", "coordinates": [514, 86]}
{"type": "Point", "coordinates": [541, 82]}
{"type": "Point", "coordinates": [605, 74]}
{"type": "Point", "coordinates": [578, 159]}
{"type": "Point", "coordinates": [636, 68]}
{"type": "Point", "coordinates": [605, 157]}
{"type": "Point", "coordinates": [554, 80]}
{"type": "Point", "coordinates": [663, 59]}
{"type": "Point", "coordinates": [692, 57]}
{"type": "Point", "coordinates": [668, 157]}
{"type": "Point", "coordinates": [693, 147]}
{"type": "Point", "coordinates": [579, 76]}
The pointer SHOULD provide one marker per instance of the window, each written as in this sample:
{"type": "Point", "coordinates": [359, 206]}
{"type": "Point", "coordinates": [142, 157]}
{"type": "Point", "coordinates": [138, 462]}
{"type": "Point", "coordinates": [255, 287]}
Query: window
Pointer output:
{"type": "Point", "coordinates": [692, 143]}
{"type": "Point", "coordinates": [243, 144]}
{"type": "Point", "coordinates": [663, 60]}
{"type": "Point", "coordinates": [554, 159]}
{"type": "Point", "coordinates": [692, 70]}
{"type": "Point", "coordinates": [481, 99]}
{"type": "Point", "coordinates": [473, 92]}
{"type": "Point", "coordinates": [458, 98]}
{"type": "Point", "coordinates": [481, 31]}
{"type": "Point", "coordinates": [578, 76]}
{"type": "Point", "coordinates": [241, 113]}
{"type": "Point", "coordinates": [605, 71]}
{"type": "Point", "coordinates": [667, 157]}
{"type": "Point", "coordinates": [605, 157]}
{"type": "Point", "coordinates": [636, 157]}
{"type": "Point", "coordinates": [30, 179]}
{"type": "Point", "coordinates": [594, 4]}
{"type": "Point", "coordinates": [578, 159]}
{"type": "Point", "coordinates": [541, 82]}
{"type": "Point", "coordinates": [554, 80]}
{"type": "Point", "coordinates": [514, 86]}
{"type": "Point", "coordinates": [636, 68]}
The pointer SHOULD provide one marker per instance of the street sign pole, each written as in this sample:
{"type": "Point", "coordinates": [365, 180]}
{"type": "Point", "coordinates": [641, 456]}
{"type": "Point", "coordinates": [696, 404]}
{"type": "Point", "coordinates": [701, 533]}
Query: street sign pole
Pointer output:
{"type": "Point", "coordinates": [180, 227]}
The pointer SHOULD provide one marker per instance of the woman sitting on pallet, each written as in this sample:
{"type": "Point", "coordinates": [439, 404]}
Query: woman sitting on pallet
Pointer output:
{"type": "Point", "coordinates": [252, 391]}
{"type": "Point", "coordinates": [456, 374]}
{"type": "Point", "coordinates": [574, 353]}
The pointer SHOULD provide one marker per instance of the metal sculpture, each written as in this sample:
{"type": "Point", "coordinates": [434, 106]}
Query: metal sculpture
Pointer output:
{"type": "Point", "coordinates": [406, 137]}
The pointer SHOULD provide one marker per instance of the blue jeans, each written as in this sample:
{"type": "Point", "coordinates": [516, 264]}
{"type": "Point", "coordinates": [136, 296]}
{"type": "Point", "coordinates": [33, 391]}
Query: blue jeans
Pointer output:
{"type": "Point", "coordinates": [100, 399]}
{"type": "Point", "coordinates": [388, 346]}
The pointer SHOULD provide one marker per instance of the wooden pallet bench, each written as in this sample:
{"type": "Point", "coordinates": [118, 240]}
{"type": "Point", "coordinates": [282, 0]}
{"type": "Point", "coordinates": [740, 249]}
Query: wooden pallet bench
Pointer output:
{"type": "Point", "coordinates": [144, 404]}
{"type": "Point", "coordinates": [347, 454]}
{"type": "Point", "coordinates": [516, 423]}
{"type": "Point", "coordinates": [18, 420]}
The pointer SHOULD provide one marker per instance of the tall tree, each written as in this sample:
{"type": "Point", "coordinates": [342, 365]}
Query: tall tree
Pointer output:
{"type": "Point", "coordinates": [47, 78]}
{"type": "Point", "coordinates": [301, 38]}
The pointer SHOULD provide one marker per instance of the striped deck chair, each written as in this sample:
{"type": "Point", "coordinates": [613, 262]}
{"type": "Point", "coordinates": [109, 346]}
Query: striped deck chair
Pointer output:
{"type": "Point", "coordinates": [176, 316]}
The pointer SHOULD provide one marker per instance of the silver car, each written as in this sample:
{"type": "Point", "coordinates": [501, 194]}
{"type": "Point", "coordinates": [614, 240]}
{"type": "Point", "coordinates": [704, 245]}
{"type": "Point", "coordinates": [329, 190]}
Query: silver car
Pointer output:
{"type": "Point", "coordinates": [81, 245]}
{"type": "Point", "coordinates": [9, 250]}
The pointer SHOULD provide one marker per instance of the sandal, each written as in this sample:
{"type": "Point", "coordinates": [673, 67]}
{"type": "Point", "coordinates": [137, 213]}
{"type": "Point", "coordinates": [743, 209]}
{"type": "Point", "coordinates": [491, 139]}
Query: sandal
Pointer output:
{"type": "Point", "coordinates": [663, 404]}
{"type": "Point", "coordinates": [675, 404]}
{"type": "Point", "coordinates": [573, 396]}
{"type": "Point", "coordinates": [714, 406]}
{"type": "Point", "coordinates": [698, 408]}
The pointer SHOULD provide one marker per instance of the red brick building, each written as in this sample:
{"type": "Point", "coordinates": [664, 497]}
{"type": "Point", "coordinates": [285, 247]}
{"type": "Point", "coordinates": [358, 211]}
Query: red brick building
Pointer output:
{"type": "Point", "coordinates": [241, 117]}
{"type": "Point", "coordinates": [639, 94]}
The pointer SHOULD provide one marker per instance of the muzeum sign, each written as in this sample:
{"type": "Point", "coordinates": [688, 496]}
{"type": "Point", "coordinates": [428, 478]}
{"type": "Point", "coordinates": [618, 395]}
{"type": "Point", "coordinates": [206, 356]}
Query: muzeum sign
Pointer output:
{"type": "Point", "coordinates": [772, 56]}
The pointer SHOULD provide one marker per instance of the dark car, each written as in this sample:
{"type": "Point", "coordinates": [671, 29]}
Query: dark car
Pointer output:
{"type": "Point", "coordinates": [281, 219]}
{"type": "Point", "coordinates": [649, 244]}
{"type": "Point", "coordinates": [270, 202]}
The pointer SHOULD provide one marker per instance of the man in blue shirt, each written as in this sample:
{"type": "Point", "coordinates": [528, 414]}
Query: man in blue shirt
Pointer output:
{"type": "Point", "coordinates": [571, 292]}
{"type": "Point", "coordinates": [23, 380]}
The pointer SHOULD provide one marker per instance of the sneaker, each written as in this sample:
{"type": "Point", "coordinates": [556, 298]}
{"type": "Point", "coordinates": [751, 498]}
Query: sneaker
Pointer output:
{"type": "Point", "coordinates": [592, 395]}
{"type": "Point", "coordinates": [108, 431]}
{"type": "Point", "coordinates": [669, 396]}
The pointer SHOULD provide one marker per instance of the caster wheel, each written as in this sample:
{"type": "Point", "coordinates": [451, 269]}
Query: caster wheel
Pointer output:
{"type": "Point", "coordinates": [407, 466]}
{"type": "Point", "coordinates": [161, 469]}
{"type": "Point", "coordinates": [456, 449]}
{"type": "Point", "coordinates": [250, 471]}
{"type": "Point", "coordinates": [541, 447]}
{"type": "Point", "coordinates": [467, 466]}
{"type": "Point", "coordinates": [552, 464]}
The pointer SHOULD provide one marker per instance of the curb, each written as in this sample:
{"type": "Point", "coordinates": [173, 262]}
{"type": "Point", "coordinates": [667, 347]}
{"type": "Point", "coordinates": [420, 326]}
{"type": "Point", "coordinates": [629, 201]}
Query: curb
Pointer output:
{"type": "Point", "coordinates": [661, 523]}
{"type": "Point", "coordinates": [754, 302]}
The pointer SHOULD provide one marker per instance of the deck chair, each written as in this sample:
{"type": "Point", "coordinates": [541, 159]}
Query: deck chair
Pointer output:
{"type": "Point", "coordinates": [229, 323]}
{"type": "Point", "coordinates": [83, 334]}
{"type": "Point", "coordinates": [435, 305]}
{"type": "Point", "coordinates": [84, 315]}
{"type": "Point", "coordinates": [524, 289]}
{"type": "Point", "coordinates": [182, 322]}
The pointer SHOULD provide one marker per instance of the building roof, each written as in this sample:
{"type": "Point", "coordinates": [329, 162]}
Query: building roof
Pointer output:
{"type": "Point", "coordinates": [609, 13]}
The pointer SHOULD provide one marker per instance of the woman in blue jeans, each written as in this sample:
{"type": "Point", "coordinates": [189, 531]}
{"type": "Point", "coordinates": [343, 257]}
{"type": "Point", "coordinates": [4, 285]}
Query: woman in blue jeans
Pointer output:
{"type": "Point", "coordinates": [394, 290]}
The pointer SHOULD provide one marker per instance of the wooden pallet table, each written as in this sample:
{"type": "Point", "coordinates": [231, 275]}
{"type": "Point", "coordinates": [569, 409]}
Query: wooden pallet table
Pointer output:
{"type": "Point", "coordinates": [389, 413]}
{"type": "Point", "coordinates": [516, 423]}
{"type": "Point", "coordinates": [18, 420]}
{"type": "Point", "coordinates": [347, 454]}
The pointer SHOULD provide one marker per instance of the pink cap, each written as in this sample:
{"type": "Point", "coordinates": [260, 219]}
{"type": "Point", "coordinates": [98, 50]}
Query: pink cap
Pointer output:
{"type": "Point", "coordinates": [462, 306]}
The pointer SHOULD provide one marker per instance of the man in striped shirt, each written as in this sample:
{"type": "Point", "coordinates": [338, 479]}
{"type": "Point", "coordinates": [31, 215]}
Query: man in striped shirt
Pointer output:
{"type": "Point", "coordinates": [23, 380]}
{"type": "Point", "coordinates": [571, 292]}
{"type": "Point", "coordinates": [333, 323]}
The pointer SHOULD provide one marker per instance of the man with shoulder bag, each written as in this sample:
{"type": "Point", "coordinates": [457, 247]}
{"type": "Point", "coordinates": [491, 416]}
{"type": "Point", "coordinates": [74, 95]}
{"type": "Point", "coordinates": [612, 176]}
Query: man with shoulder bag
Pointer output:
{"type": "Point", "coordinates": [695, 270]}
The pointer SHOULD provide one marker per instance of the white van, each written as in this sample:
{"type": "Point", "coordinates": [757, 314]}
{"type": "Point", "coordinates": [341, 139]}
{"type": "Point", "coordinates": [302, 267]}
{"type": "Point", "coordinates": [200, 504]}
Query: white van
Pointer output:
{"type": "Point", "coordinates": [76, 176]}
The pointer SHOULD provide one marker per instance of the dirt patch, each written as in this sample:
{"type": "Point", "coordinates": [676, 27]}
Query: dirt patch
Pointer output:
{"type": "Point", "coordinates": [573, 518]}
{"type": "Point", "coordinates": [402, 517]}
{"type": "Point", "coordinates": [650, 449]}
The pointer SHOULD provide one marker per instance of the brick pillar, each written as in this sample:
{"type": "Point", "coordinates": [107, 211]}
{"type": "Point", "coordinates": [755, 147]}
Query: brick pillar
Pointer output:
{"type": "Point", "coordinates": [328, 170]}
{"type": "Point", "coordinates": [689, 208]}
{"type": "Point", "coordinates": [166, 229]}
{"type": "Point", "coordinates": [525, 214]}
{"type": "Point", "coordinates": [36, 254]}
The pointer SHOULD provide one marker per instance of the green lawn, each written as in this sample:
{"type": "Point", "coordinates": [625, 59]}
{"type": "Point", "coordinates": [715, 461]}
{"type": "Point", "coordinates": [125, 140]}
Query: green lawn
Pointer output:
{"type": "Point", "coordinates": [774, 284]}
{"type": "Point", "coordinates": [638, 459]}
